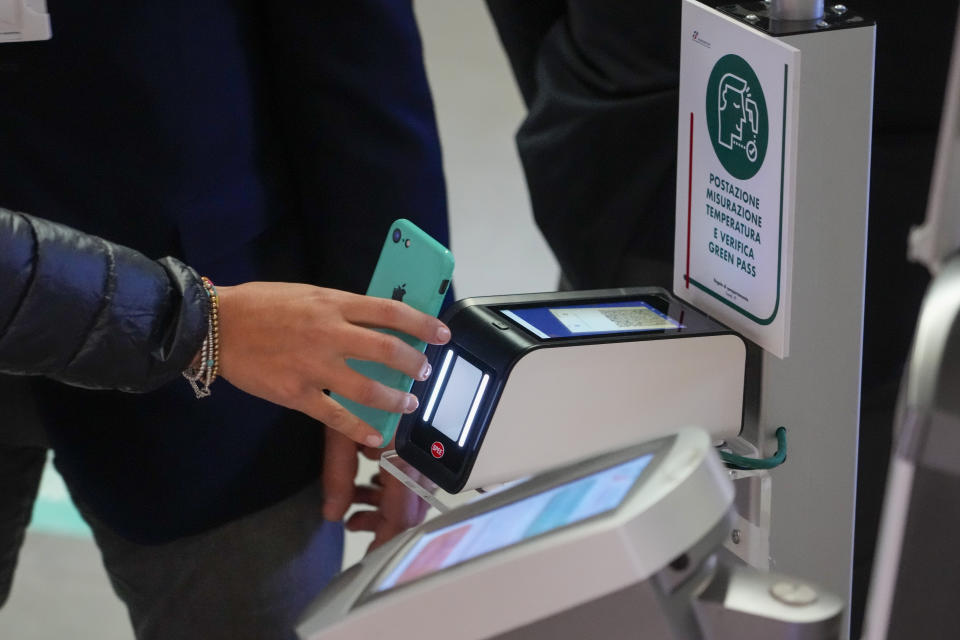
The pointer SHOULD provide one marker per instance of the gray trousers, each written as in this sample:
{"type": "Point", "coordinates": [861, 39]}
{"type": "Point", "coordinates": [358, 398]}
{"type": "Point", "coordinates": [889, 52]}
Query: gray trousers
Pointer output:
{"type": "Point", "coordinates": [246, 580]}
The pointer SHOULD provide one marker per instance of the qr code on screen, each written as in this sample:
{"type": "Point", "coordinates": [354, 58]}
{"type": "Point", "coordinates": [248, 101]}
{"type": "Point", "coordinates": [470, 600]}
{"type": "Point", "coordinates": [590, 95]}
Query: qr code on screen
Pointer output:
{"type": "Point", "coordinates": [631, 317]}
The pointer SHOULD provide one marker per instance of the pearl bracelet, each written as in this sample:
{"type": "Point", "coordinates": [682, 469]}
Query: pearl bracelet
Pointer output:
{"type": "Point", "coordinates": [202, 373]}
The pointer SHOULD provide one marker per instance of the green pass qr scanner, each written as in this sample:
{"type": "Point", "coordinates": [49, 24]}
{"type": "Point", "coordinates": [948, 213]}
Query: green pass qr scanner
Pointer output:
{"type": "Point", "coordinates": [534, 381]}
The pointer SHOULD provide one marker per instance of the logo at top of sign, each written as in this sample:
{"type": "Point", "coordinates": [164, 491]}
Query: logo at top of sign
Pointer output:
{"type": "Point", "coordinates": [737, 117]}
{"type": "Point", "coordinates": [699, 39]}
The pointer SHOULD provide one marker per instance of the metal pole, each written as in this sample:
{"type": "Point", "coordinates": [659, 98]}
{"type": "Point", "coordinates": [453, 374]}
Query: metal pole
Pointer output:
{"type": "Point", "coordinates": [796, 9]}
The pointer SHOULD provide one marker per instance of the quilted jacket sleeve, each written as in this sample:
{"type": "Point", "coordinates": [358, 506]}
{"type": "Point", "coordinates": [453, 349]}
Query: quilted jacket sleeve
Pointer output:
{"type": "Point", "coordinates": [84, 311]}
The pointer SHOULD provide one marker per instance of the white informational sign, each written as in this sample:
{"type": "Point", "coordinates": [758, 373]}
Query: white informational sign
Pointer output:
{"type": "Point", "coordinates": [736, 175]}
{"type": "Point", "coordinates": [24, 20]}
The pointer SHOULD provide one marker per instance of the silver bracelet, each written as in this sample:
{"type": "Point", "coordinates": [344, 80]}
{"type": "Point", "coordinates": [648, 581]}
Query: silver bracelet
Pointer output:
{"type": "Point", "coordinates": [202, 375]}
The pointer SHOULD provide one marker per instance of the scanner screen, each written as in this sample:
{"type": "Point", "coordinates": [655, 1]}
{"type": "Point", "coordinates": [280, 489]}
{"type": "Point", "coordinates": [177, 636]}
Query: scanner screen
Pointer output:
{"type": "Point", "coordinates": [504, 526]}
{"type": "Point", "coordinates": [556, 321]}
{"type": "Point", "coordinates": [457, 398]}
{"type": "Point", "coordinates": [460, 388]}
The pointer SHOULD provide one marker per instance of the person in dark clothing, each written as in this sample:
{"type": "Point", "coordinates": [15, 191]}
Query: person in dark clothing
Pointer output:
{"type": "Point", "coordinates": [598, 145]}
{"type": "Point", "coordinates": [80, 310]}
{"type": "Point", "coordinates": [252, 141]}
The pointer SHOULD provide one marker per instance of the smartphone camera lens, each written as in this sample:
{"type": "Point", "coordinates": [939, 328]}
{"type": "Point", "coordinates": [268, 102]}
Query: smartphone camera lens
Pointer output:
{"type": "Point", "coordinates": [396, 235]}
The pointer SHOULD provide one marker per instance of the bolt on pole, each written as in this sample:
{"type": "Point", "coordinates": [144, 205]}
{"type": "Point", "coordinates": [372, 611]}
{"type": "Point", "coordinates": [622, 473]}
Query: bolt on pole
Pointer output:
{"type": "Point", "coordinates": [796, 9]}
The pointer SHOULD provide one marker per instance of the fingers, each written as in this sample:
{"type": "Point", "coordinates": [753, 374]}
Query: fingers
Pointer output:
{"type": "Point", "coordinates": [319, 406]}
{"type": "Point", "coordinates": [392, 314]}
{"type": "Point", "coordinates": [372, 393]}
{"type": "Point", "coordinates": [399, 506]}
{"type": "Point", "coordinates": [339, 471]}
{"type": "Point", "coordinates": [373, 522]}
{"type": "Point", "coordinates": [376, 346]}
{"type": "Point", "coordinates": [367, 495]}
{"type": "Point", "coordinates": [397, 509]}
{"type": "Point", "coordinates": [364, 521]}
{"type": "Point", "coordinates": [372, 453]}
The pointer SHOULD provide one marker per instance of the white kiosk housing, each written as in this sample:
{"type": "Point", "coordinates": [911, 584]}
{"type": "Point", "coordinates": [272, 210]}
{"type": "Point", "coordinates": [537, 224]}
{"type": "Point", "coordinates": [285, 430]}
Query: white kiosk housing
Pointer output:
{"type": "Point", "coordinates": [623, 546]}
{"type": "Point", "coordinates": [535, 381]}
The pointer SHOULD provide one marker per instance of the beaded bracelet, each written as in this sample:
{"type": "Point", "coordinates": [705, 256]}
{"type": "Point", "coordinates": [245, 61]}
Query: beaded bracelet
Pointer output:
{"type": "Point", "coordinates": [202, 374]}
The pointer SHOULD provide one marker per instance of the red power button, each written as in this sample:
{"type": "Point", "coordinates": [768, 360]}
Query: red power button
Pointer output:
{"type": "Point", "coordinates": [437, 449]}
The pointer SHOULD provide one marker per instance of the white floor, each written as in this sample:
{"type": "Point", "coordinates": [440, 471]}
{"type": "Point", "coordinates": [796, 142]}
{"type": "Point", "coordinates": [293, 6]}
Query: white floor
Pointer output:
{"type": "Point", "coordinates": [60, 590]}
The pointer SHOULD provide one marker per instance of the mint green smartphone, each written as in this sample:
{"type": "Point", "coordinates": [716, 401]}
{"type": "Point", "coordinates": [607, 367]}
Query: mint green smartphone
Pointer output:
{"type": "Point", "coordinates": [416, 269]}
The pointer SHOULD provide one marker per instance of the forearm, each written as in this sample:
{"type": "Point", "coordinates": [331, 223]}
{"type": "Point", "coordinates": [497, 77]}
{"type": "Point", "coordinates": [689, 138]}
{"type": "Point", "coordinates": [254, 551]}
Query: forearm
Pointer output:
{"type": "Point", "coordinates": [84, 311]}
{"type": "Point", "coordinates": [78, 309]}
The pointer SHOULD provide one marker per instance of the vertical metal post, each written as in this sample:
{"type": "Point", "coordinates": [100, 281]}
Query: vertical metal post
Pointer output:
{"type": "Point", "coordinates": [809, 375]}
{"type": "Point", "coordinates": [816, 391]}
{"type": "Point", "coordinates": [796, 9]}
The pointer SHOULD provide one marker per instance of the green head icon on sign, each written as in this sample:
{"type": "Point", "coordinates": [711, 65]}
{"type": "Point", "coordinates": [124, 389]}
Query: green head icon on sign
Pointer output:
{"type": "Point", "coordinates": [737, 117]}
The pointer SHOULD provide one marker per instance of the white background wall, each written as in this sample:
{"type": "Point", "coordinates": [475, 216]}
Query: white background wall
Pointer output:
{"type": "Point", "coordinates": [497, 247]}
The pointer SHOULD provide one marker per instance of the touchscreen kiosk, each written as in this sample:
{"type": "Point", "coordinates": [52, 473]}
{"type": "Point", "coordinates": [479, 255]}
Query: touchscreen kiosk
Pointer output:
{"type": "Point", "coordinates": [534, 381]}
{"type": "Point", "coordinates": [559, 540]}
{"type": "Point", "coordinates": [621, 546]}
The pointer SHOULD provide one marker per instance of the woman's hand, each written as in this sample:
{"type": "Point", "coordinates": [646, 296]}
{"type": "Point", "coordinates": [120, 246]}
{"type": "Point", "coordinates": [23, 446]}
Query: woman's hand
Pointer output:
{"type": "Point", "coordinates": [395, 507]}
{"type": "Point", "coordinates": [288, 342]}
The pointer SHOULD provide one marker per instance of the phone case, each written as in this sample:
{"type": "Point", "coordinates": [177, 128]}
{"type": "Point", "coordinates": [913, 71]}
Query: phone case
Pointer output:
{"type": "Point", "coordinates": [416, 269]}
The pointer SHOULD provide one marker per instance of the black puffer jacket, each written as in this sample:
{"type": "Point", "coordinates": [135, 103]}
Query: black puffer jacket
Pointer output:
{"type": "Point", "coordinates": [90, 313]}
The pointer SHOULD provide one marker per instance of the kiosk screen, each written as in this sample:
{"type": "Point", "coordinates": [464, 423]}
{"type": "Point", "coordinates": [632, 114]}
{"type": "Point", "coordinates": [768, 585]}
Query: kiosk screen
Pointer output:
{"type": "Point", "coordinates": [512, 523]}
{"type": "Point", "coordinates": [601, 318]}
